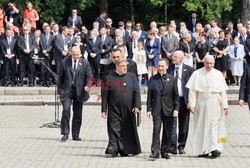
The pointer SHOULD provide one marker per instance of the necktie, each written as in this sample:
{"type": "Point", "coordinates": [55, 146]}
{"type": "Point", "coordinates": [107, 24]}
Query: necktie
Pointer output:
{"type": "Point", "coordinates": [47, 39]}
{"type": "Point", "coordinates": [103, 39]}
{"type": "Point", "coordinates": [177, 72]}
{"type": "Point", "coordinates": [74, 74]}
{"type": "Point", "coordinates": [235, 51]}
{"type": "Point", "coordinates": [163, 79]}
{"type": "Point", "coordinates": [9, 41]}
{"type": "Point", "coordinates": [134, 44]}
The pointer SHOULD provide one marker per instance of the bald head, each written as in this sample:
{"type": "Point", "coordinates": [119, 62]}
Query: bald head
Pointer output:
{"type": "Point", "coordinates": [178, 57]}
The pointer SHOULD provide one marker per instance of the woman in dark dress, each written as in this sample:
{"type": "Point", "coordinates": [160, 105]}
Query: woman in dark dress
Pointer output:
{"type": "Point", "coordinates": [221, 48]}
{"type": "Point", "coordinates": [79, 43]}
{"type": "Point", "coordinates": [201, 50]}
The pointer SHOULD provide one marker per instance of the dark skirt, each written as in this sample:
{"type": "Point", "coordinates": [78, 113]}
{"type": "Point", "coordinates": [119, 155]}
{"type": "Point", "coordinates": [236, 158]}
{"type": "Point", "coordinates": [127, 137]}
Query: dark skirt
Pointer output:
{"type": "Point", "coordinates": [222, 64]}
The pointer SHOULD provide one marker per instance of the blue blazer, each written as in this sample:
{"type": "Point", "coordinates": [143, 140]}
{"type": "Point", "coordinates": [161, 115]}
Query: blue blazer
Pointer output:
{"type": "Point", "coordinates": [155, 48]}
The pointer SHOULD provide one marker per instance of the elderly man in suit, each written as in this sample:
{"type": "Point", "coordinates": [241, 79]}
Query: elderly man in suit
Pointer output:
{"type": "Point", "coordinates": [8, 48]}
{"type": "Point", "coordinates": [106, 43]}
{"type": "Point", "coordinates": [73, 85]}
{"type": "Point", "coordinates": [74, 20]}
{"type": "Point", "coordinates": [163, 104]}
{"type": "Point", "coordinates": [169, 43]}
{"type": "Point", "coordinates": [47, 40]}
{"type": "Point", "coordinates": [62, 47]}
{"type": "Point", "coordinates": [94, 49]}
{"type": "Point", "coordinates": [26, 45]}
{"type": "Point", "coordinates": [181, 72]}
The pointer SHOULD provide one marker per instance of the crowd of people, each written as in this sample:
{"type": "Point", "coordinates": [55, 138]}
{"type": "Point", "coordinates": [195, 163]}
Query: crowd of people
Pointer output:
{"type": "Point", "coordinates": [116, 58]}
{"type": "Point", "coordinates": [23, 46]}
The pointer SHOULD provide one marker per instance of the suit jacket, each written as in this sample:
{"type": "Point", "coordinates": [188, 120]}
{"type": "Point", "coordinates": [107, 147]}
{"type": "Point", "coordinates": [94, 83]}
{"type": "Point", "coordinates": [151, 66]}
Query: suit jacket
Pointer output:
{"type": "Point", "coordinates": [244, 42]}
{"type": "Point", "coordinates": [143, 36]}
{"type": "Point", "coordinates": [163, 98]}
{"type": "Point", "coordinates": [111, 31]}
{"type": "Point", "coordinates": [130, 48]}
{"type": "Point", "coordinates": [48, 46]}
{"type": "Point", "coordinates": [83, 76]}
{"type": "Point", "coordinates": [155, 49]}
{"type": "Point", "coordinates": [78, 21]}
{"type": "Point", "coordinates": [186, 73]}
{"type": "Point", "coordinates": [183, 47]}
{"type": "Point", "coordinates": [168, 45]}
{"type": "Point", "coordinates": [22, 46]}
{"type": "Point", "coordinates": [59, 46]}
{"type": "Point", "coordinates": [245, 84]}
{"type": "Point", "coordinates": [5, 45]}
{"type": "Point", "coordinates": [102, 22]}
{"type": "Point", "coordinates": [190, 24]}
{"type": "Point", "coordinates": [94, 47]}
{"type": "Point", "coordinates": [107, 46]}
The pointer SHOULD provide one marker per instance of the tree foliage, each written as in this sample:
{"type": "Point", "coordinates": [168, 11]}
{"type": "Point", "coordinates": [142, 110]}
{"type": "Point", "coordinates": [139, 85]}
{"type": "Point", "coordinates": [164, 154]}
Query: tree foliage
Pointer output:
{"type": "Point", "coordinates": [209, 9]}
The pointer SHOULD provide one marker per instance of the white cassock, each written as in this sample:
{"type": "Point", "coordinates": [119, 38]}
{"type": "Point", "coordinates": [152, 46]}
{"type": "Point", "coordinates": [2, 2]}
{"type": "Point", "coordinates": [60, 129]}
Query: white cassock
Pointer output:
{"type": "Point", "coordinates": [207, 93]}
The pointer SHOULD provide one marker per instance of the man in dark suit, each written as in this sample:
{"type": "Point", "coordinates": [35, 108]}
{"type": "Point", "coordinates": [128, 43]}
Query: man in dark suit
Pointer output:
{"type": "Point", "coordinates": [129, 28]}
{"type": "Point", "coordinates": [47, 42]}
{"type": "Point", "coordinates": [132, 44]}
{"type": "Point", "coordinates": [244, 93]}
{"type": "Point", "coordinates": [106, 43]}
{"type": "Point", "coordinates": [243, 39]}
{"type": "Point", "coordinates": [73, 85]}
{"type": "Point", "coordinates": [169, 43]}
{"type": "Point", "coordinates": [142, 35]}
{"type": "Point", "coordinates": [74, 20]}
{"type": "Point", "coordinates": [110, 28]}
{"type": "Point", "coordinates": [163, 104]}
{"type": "Point", "coordinates": [94, 49]}
{"type": "Point", "coordinates": [181, 72]}
{"type": "Point", "coordinates": [230, 28]}
{"type": "Point", "coordinates": [248, 49]}
{"type": "Point", "coordinates": [101, 19]}
{"type": "Point", "coordinates": [192, 22]}
{"type": "Point", "coordinates": [124, 33]}
{"type": "Point", "coordinates": [9, 51]}
{"type": "Point", "coordinates": [26, 45]}
{"type": "Point", "coordinates": [62, 47]}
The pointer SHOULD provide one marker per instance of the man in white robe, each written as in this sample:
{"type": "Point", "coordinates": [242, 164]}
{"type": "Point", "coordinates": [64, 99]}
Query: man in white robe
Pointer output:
{"type": "Point", "coordinates": [208, 102]}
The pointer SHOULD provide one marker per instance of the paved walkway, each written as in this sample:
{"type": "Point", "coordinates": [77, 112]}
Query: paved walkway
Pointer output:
{"type": "Point", "coordinates": [24, 144]}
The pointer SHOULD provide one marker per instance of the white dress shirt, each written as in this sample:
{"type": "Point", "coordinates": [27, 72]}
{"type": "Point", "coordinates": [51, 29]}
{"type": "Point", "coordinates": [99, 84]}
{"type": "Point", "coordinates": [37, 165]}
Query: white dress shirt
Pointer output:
{"type": "Point", "coordinates": [179, 84]}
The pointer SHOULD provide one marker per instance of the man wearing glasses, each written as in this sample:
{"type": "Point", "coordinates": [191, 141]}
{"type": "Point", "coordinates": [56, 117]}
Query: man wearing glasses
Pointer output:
{"type": "Point", "coordinates": [74, 20]}
{"type": "Point", "coordinates": [26, 45]}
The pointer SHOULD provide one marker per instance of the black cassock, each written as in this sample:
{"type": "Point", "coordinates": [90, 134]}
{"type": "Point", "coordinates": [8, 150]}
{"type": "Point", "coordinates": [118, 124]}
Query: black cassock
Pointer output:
{"type": "Point", "coordinates": [120, 94]}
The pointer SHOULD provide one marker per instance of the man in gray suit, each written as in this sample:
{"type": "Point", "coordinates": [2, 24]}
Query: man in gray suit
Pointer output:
{"type": "Point", "coordinates": [169, 43]}
{"type": "Point", "coordinates": [62, 47]}
{"type": "Point", "coordinates": [73, 85]}
{"type": "Point", "coordinates": [74, 20]}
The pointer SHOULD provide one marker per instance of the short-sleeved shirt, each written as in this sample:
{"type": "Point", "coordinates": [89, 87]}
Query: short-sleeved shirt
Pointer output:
{"type": "Point", "coordinates": [1, 19]}
{"type": "Point", "coordinates": [32, 14]}
{"type": "Point", "coordinates": [13, 17]}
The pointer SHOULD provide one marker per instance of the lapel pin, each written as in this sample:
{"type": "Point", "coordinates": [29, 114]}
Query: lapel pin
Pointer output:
{"type": "Point", "coordinates": [80, 63]}
{"type": "Point", "coordinates": [168, 79]}
{"type": "Point", "coordinates": [185, 69]}
{"type": "Point", "coordinates": [124, 84]}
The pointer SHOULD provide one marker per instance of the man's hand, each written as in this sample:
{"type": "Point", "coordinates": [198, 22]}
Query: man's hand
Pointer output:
{"type": "Point", "coordinates": [149, 114]}
{"type": "Point", "coordinates": [151, 56]}
{"type": "Point", "coordinates": [64, 53]}
{"type": "Point", "coordinates": [135, 110]}
{"type": "Point", "coordinates": [44, 51]}
{"type": "Point", "coordinates": [175, 113]}
{"type": "Point", "coordinates": [192, 109]}
{"type": "Point", "coordinates": [93, 55]}
{"type": "Point", "coordinates": [104, 115]}
{"type": "Point", "coordinates": [241, 103]}
{"type": "Point", "coordinates": [35, 57]}
{"type": "Point", "coordinates": [226, 111]}
{"type": "Point", "coordinates": [169, 55]}
{"type": "Point", "coordinates": [103, 51]}
{"type": "Point", "coordinates": [87, 89]}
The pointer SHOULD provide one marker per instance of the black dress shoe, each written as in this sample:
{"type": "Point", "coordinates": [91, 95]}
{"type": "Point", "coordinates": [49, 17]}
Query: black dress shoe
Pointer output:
{"type": "Point", "coordinates": [216, 153]}
{"type": "Point", "coordinates": [112, 152]}
{"type": "Point", "coordinates": [76, 139]}
{"type": "Point", "coordinates": [172, 151]}
{"type": "Point", "coordinates": [181, 151]}
{"type": "Point", "coordinates": [165, 155]}
{"type": "Point", "coordinates": [154, 156]}
{"type": "Point", "coordinates": [204, 155]}
{"type": "Point", "coordinates": [64, 138]}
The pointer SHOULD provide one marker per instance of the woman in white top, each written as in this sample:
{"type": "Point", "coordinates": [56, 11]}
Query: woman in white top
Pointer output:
{"type": "Point", "coordinates": [236, 54]}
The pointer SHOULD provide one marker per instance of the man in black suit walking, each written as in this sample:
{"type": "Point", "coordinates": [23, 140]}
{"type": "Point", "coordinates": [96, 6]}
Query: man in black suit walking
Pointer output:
{"type": "Point", "coordinates": [73, 85]}
{"type": "Point", "coordinates": [163, 104]}
{"type": "Point", "coordinates": [244, 93]}
{"type": "Point", "coordinates": [181, 72]}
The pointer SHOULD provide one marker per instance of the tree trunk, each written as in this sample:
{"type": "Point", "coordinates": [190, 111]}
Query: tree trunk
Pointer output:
{"type": "Point", "coordinates": [132, 13]}
{"type": "Point", "coordinates": [104, 6]}
{"type": "Point", "coordinates": [166, 12]}
{"type": "Point", "coordinates": [245, 11]}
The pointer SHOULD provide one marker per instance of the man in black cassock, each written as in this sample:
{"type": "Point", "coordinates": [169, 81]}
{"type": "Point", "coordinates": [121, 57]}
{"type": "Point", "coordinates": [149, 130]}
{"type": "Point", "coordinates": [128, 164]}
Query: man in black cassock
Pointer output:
{"type": "Point", "coordinates": [121, 96]}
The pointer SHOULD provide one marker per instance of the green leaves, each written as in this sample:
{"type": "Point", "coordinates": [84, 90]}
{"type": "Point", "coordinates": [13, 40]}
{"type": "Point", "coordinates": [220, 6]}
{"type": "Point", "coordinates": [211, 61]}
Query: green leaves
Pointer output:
{"type": "Point", "coordinates": [209, 8]}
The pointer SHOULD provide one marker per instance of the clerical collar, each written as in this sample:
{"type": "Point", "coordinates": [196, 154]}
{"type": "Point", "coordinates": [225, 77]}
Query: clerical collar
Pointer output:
{"type": "Point", "coordinates": [119, 74]}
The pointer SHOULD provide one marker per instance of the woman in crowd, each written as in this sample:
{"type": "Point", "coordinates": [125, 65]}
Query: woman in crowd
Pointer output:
{"type": "Point", "coordinates": [153, 47]}
{"type": "Point", "coordinates": [197, 32]}
{"type": "Point", "coordinates": [201, 50]}
{"type": "Point", "coordinates": [221, 49]}
{"type": "Point", "coordinates": [188, 47]}
{"type": "Point", "coordinates": [236, 54]}
{"type": "Point", "coordinates": [2, 14]}
{"type": "Point", "coordinates": [79, 43]}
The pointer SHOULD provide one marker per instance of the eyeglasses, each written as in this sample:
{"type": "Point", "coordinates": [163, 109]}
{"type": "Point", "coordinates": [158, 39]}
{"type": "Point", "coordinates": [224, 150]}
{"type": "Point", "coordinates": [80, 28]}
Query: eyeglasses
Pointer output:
{"type": "Point", "coordinates": [115, 57]}
{"type": "Point", "coordinates": [108, 21]}
{"type": "Point", "coordinates": [74, 12]}
{"type": "Point", "coordinates": [137, 26]}
{"type": "Point", "coordinates": [25, 29]}
{"type": "Point", "coordinates": [181, 25]}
